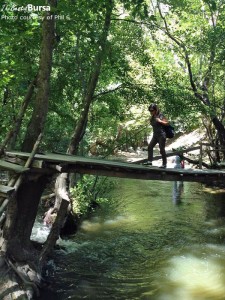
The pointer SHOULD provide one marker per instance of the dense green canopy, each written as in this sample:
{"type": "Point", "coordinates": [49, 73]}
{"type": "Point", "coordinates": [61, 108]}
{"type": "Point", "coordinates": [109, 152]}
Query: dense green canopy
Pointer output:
{"type": "Point", "coordinates": [111, 59]}
{"type": "Point", "coordinates": [79, 76]}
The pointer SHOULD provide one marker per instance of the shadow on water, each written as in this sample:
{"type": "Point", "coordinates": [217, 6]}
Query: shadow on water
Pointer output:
{"type": "Point", "coordinates": [146, 246]}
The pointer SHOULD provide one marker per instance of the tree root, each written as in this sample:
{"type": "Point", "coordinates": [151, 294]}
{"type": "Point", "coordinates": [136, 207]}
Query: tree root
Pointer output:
{"type": "Point", "coordinates": [31, 287]}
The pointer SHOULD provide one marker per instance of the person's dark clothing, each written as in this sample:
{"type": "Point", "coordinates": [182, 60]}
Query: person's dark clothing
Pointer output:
{"type": "Point", "coordinates": [158, 128]}
{"type": "Point", "coordinates": [159, 137]}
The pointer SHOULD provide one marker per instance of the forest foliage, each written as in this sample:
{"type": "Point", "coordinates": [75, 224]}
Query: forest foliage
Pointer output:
{"type": "Point", "coordinates": [168, 52]}
{"type": "Point", "coordinates": [79, 76]}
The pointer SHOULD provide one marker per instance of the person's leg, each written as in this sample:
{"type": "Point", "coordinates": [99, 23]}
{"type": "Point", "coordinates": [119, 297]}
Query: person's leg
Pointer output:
{"type": "Point", "coordinates": [162, 145]}
{"type": "Point", "coordinates": [151, 145]}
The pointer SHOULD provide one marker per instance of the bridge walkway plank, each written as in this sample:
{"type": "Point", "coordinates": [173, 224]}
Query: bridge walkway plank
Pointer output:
{"type": "Point", "coordinates": [98, 166]}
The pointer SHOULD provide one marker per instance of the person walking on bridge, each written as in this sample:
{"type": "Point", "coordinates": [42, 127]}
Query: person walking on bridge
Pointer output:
{"type": "Point", "coordinates": [158, 121]}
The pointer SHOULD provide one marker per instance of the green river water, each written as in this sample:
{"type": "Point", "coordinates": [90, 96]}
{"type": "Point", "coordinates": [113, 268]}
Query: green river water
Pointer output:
{"type": "Point", "coordinates": [156, 240]}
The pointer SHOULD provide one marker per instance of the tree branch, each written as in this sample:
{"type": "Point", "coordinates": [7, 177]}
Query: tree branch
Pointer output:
{"type": "Point", "coordinates": [187, 59]}
{"type": "Point", "coordinates": [108, 91]}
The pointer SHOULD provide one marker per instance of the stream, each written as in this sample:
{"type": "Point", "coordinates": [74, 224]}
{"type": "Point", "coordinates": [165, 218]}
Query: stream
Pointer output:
{"type": "Point", "coordinates": [154, 240]}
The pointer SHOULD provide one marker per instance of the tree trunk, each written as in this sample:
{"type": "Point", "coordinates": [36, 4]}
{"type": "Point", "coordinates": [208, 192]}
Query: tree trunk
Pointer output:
{"type": "Point", "coordinates": [16, 249]}
{"type": "Point", "coordinates": [61, 187]}
{"type": "Point", "coordinates": [92, 83]}
{"type": "Point", "coordinates": [17, 252]}
{"type": "Point", "coordinates": [22, 211]}
{"type": "Point", "coordinates": [37, 122]}
{"type": "Point", "coordinates": [12, 134]}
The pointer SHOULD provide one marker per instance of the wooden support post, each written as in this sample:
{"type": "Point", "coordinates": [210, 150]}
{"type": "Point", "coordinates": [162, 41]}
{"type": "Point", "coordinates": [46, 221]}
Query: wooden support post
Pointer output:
{"type": "Point", "coordinates": [55, 167]}
{"type": "Point", "coordinates": [5, 191]}
{"type": "Point", "coordinates": [16, 181]}
{"type": "Point", "coordinates": [200, 156]}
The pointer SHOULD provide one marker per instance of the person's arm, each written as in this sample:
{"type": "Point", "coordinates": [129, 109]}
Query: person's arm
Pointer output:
{"type": "Point", "coordinates": [162, 121]}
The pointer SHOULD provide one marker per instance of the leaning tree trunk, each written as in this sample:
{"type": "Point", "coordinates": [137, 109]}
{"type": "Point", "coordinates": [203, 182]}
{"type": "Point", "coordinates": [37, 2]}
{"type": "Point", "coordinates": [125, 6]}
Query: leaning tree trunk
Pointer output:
{"type": "Point", "coordinates": [62, 203]}
{"type": "Point", "coordinates": [37, 122]}
{"type": "Point", "coordinates": [61, 182]}
{"type": "Point", "coordinates": [92, 83]}
{"type": "Point", "coordinates": [17, 252]}
{"type": "Point", "coordinates": [13, 132]}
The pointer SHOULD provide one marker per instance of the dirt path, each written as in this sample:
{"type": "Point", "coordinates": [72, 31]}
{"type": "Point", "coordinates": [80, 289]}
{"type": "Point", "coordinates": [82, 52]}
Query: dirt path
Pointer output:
{"type": "Point", "coordinates": [182, 140]}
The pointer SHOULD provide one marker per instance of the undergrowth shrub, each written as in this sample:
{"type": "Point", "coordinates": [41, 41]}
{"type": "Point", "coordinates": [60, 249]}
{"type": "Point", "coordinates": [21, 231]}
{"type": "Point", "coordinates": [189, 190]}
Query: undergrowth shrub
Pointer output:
{"type": "Point", "coordinates": [90, 192]}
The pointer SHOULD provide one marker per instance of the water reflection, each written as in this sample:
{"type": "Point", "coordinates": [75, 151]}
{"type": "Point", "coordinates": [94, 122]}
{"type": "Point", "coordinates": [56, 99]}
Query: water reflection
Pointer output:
{"type": "Point", "coordinates": [98, 225]}
{"type": "Point", "coordinates": [194, 275]}
{"type": "Point", "coordinates": [178, 188]}
{"type": "Point", "coordinates": [198, 272]}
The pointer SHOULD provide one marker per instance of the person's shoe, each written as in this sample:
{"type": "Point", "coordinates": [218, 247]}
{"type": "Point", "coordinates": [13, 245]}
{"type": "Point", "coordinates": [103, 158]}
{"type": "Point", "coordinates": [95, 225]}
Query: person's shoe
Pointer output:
{"type": "Point", "coordinates": [163, 167]}
{"type": "Point", "coordinates": [147, 163]}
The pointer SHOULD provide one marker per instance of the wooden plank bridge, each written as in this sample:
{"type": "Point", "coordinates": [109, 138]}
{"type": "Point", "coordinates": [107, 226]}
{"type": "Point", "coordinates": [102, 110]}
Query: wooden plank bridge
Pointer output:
{"type": "Point", "coordinates": [58, 163]}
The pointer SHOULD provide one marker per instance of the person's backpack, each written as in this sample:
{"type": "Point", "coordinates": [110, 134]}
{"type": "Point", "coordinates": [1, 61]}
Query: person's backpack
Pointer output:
{"type": "Point", "coordinates": [169, 129]}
